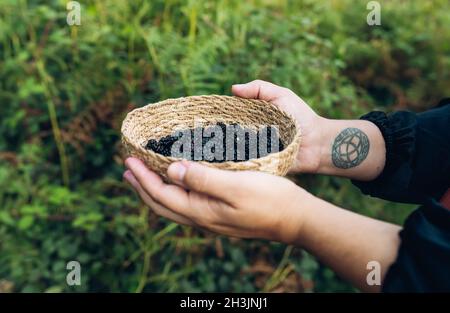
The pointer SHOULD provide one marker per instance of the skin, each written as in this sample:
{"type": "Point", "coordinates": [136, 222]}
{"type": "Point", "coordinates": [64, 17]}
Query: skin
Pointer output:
{"type": "Point", "coordinates": [209, 198]}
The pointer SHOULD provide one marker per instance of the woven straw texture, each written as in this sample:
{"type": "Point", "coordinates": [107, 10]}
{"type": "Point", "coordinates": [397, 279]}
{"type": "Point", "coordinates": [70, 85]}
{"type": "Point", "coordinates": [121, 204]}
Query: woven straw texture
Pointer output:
{"type": "Point", "coordinates": [157, 120]}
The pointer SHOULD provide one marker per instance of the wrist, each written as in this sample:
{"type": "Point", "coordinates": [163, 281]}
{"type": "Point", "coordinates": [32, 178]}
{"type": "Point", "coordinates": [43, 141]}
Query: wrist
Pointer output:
{"type": "Point", "coordinates": [351, 158]}
{"type": "Point", "coordinates": [311, 147]}
{"type": "Point", "coordinates": [289, 226]}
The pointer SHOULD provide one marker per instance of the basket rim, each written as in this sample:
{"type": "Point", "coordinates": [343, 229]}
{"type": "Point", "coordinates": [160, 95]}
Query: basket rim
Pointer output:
{"type": "Point", "coordinates": [137, 146]}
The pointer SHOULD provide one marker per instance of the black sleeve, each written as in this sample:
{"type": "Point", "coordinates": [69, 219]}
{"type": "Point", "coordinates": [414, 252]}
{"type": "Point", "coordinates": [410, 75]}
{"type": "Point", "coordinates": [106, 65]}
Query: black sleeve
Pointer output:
{"type": "Point", "coordinates": [417, 170]}
{"type": "Point", "coordinates": [417, 155]}
{"type": "Point", "coordinates": [423, 260]}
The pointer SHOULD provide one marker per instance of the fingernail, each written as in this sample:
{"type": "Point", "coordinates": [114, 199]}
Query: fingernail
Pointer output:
{"type": "Point", "coordinates": [127, 175]}
{"type": "Point", "coordinates": [177, 171]}
{"type": "Point", "coordinates": [132, 162]}
{"type": "Point", "coordinates": [238, 85]}
{"type": "Point", "coordinates": [128, 161]}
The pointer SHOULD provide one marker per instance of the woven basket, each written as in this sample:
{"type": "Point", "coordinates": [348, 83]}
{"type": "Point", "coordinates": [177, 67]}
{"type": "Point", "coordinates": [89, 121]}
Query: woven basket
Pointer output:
{"type": "Point", "coordinates": [157, 120]}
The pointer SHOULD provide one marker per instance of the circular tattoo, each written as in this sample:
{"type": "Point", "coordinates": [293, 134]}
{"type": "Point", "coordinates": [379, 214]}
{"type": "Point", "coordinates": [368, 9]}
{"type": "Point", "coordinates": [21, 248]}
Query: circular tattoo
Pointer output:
{"type": "Point", "coordinates": [350, 148]}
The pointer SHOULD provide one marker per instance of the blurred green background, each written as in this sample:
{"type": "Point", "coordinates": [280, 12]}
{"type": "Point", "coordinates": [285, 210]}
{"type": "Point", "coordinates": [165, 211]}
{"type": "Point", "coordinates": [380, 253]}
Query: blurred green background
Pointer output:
{"type": "Point", "coordinates": [64, 91]}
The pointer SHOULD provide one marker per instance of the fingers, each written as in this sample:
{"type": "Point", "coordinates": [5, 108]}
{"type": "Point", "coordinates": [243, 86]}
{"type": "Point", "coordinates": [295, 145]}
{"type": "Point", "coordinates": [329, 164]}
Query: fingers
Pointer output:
{"type": "Point", "coordinates": [156, 207]}
{"type": "Point", "coordinates": [203, 179]}
{"type": "Point", "coordinates": [259, 89]}
{"type": "Point", "coordinates": [173, 197]}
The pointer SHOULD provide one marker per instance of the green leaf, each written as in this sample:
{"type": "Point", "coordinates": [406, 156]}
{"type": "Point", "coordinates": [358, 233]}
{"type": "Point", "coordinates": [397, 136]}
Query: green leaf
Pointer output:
{"type": "Point", "coordinates": [6, 218]}
{"type": "Point", "coordinates": [25, 222]}
{"type": "Point", "coordinates": [34, 209]}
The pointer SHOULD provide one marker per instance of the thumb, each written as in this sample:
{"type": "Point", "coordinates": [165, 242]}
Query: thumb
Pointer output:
{"type": "Point", "coordinates": [203, 179]}
{"type": "Point", "coordinates": [259, 89]}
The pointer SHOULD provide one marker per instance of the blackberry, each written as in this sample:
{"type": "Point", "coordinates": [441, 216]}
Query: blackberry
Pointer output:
{"type": "Point", "coordinates": [152, 145]}
{"type": "Point", "coordinates": [240, 135]}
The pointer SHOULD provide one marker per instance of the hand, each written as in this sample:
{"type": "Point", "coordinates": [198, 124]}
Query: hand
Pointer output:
{"type": "Point", "coordinates": [319, 135]}
{"type": "Point", "coordinates": [309, 153]}
{"type": "Point", "coordinates": [257, 205]}
{"type": "Point", "coordinates": [239, 204]}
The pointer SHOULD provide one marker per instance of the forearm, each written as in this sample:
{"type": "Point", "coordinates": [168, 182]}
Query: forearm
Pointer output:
{"type": "Point", "coordinates": [351, 148]}
{"type": "Point", "coordinates": [346, 241]}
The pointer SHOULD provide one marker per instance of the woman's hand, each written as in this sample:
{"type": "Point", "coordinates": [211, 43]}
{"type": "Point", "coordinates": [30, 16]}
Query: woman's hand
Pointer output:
{"type": "Point", "coordinates": [239, 204]}
{"type": "Point", "coordinates": [308, 156]}
{"type": "Point", "coordinates": [256, 205]}
{"type": "Point", "coordinates": [332, 147]}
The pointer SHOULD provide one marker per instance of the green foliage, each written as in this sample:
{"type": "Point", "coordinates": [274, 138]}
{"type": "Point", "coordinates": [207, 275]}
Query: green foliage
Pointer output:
{"type": "Point", "coordinates": [64, 91]}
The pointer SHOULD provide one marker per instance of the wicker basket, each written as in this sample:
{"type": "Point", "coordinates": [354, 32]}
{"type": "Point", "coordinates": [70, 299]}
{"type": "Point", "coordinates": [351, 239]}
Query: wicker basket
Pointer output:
{"type": "Point", "coordinates": [157, 120]}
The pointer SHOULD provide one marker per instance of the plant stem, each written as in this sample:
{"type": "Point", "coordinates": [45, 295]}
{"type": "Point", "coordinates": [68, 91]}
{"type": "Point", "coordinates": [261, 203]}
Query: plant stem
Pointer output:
{"type": "Point", "coordinates": [145, 271]}
{"type": "Point", "coordinates": [54, 123]}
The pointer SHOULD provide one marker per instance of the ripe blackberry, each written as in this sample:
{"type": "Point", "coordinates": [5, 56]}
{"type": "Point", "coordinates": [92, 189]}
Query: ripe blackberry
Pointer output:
{"type": "Point", "coordinates": [239, 135]}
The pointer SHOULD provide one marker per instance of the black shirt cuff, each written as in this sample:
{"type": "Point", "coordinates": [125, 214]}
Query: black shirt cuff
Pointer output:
{"type": "Point", "coordinates": [398, 131]}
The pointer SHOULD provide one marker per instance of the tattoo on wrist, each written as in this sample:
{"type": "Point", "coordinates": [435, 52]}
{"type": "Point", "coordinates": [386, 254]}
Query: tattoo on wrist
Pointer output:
{"type": "Point", "coordinates": [350, 148]}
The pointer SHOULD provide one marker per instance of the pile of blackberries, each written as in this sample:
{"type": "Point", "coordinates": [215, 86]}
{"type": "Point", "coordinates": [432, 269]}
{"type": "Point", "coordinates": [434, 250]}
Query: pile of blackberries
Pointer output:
{"type": "Point", "coordinates": [253, 148]}
{"type": "Point", "coordinates": [162, 146]}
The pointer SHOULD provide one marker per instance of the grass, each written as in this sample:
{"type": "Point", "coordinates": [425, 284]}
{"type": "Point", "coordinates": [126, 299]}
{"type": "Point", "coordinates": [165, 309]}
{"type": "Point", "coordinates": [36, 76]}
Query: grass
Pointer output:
{"type": "Point", "coordinates": [65, 90]}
